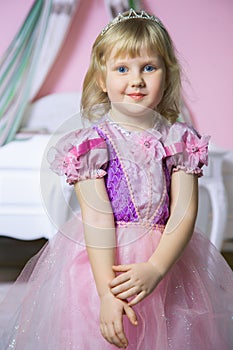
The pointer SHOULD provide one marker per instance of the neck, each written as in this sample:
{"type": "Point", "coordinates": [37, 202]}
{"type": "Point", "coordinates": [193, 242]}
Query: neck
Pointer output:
{"type": "Point", "coordinates": [137, 119]}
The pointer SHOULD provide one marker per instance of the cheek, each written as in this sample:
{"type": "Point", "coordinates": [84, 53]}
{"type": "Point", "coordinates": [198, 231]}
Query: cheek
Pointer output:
{"type": "Point", "coordinates": [111, 92]}
{"type": "Point", "coordinates": [113, 85]}
{"type": "Point", "coordinates": [158, 90]}
{"type": "Point", "coordinates": [161, 93]}
{"type": "Point", "coordinates": [160, 86]}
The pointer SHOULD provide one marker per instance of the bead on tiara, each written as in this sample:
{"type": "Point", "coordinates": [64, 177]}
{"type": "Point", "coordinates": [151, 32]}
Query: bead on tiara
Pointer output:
{"type": "Point", "coordinates": [131, 14]}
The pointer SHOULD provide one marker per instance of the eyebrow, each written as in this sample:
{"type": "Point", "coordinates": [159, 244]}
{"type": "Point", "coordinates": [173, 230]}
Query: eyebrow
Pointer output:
{"type": "Point", "coordinates": [145, 61]}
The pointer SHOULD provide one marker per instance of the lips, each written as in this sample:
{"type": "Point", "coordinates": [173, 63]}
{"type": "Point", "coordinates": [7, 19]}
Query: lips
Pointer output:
{"type": "Point", "coordinates": [137, 96]}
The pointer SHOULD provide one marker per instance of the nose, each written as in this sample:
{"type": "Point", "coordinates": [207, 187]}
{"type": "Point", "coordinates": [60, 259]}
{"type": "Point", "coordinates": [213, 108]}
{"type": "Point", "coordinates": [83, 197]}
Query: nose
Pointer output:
{"type": "Point", "coordinates": [137, 82]}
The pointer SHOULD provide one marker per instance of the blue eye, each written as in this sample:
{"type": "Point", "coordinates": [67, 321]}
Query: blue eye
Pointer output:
{"type": "Point", "coordinates": [122, 69]}
{"type": "Point", "coordinates": [149, 68]}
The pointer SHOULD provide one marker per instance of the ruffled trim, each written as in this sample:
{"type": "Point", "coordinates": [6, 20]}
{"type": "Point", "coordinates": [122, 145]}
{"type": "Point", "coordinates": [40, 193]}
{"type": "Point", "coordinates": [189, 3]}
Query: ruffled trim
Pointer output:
{"type": "Point", "coordinates": [197, 171]}
{"type": "Point", "coordinates": [94, 174]}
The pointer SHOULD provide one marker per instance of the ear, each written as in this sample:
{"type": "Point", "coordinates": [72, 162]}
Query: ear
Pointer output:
{"type": "Point", "coordinates": [101, 83]}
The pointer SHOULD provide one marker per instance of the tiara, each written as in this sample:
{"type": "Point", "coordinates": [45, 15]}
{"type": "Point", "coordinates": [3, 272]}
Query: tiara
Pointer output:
{"type": "Point", "coordinates": [129, 15]}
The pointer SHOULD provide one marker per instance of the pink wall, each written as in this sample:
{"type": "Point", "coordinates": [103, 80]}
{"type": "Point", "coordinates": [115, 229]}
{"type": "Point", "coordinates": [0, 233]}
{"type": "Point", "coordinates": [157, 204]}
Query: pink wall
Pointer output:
{"type": "Point", "coordinates": [202, 31]}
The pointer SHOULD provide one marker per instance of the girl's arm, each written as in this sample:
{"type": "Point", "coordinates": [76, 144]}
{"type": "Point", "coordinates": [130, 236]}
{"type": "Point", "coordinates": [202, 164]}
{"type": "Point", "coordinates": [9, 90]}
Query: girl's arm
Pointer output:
{"type": "Point", "coordinates": [139, 280]}
{"type": "Point", "coordinates": [99, 231]}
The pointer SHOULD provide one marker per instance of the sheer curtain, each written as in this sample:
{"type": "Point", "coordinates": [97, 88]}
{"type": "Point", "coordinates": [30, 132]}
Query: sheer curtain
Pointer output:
{"type": "Point", "coordinates": [29, 58]}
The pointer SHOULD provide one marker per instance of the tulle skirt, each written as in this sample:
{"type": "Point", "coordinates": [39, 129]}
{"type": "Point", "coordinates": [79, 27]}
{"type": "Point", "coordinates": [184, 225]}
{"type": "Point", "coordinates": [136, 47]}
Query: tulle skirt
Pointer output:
{"type": "Point", "coordinates": [54, 304]}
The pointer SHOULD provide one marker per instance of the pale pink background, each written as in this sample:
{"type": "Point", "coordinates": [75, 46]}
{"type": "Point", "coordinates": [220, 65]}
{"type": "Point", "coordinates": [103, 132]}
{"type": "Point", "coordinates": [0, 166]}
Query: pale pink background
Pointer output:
{"type": "Point", "coordinates": [202, 31]}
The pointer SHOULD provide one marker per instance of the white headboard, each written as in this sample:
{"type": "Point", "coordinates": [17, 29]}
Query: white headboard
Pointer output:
{"type": "Point", "coordinates": [47, 113]}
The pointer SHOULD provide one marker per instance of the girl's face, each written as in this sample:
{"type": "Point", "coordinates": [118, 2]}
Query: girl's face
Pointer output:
{"type": "Point", "coordinates": [139, 81]}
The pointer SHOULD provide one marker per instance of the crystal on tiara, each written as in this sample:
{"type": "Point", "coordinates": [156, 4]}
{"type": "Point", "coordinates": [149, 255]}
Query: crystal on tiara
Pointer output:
{"type": "Point", "coordinates": [129, 15]}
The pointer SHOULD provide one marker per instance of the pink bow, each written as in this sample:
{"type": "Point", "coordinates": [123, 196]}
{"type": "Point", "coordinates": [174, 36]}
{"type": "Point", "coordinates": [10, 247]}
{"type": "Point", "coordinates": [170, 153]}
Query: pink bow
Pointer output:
{"type": "Point", "coordinates": [197, 149]}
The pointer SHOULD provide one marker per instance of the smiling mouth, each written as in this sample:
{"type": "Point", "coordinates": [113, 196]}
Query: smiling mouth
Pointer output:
{"type": "Point", "coordinates": [136, 96]}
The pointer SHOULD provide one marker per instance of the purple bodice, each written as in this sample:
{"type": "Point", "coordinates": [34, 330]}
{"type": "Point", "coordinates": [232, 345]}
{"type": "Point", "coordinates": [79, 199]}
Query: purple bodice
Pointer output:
{"type": "Point", "coordinates": [122, 188]}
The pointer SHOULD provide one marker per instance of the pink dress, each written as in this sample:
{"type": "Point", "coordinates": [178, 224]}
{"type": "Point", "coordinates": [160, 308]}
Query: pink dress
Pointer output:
{"type": "Point", "coordinates": [54, 304]}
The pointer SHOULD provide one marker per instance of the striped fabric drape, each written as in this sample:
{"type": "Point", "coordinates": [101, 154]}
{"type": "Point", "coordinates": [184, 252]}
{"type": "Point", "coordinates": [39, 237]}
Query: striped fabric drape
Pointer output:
{"type": "Point", "coordinates": [29, 58]}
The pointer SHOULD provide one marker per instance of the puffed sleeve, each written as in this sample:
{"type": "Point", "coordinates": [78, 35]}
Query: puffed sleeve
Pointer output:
{"type": "Point", "coordinates": [80, 155]}
{"type": "Point", "coordinates": [186, 149]}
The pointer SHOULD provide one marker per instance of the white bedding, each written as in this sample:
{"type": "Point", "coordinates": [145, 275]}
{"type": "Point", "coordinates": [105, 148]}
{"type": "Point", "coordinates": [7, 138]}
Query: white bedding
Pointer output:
{"type": "Point", "coordinates": [26, 212]}
{"type": "Point", "coordinates": [22, 214]}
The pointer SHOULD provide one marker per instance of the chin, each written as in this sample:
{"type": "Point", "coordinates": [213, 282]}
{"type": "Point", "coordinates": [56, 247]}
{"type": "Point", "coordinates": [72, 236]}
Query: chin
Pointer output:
{"type": "Point", "coordinates": [132, 109]}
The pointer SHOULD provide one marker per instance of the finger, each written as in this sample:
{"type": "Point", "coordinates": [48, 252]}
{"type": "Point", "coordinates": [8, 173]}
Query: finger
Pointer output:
{"type": "Point", "coordinates": [121, 268]}
{"type": "Point", "coordinates": [130, 313]}
{"type": "Point", "coordinates": [119, 331]}
{"type": "Point", "coordinates": [121, 287]}
{"type": "Point", "coordinates": [128, 293]}
{"type": "Point", "coordinates": [119, 279]}
{"type": "Point", "coordinates": [102, 329]}
{"type": "Point", "coordinates": [105, 332]}
{"type": "Point", "coordinates": [112, 337]}
{"type": "Point", "coordinates": [137, 299]}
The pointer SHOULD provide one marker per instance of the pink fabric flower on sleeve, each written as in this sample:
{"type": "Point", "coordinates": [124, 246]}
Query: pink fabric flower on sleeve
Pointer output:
{"type": "Point", "coordinates": [71, 164]}
{"type": "Point", "coordinates": [196, 149]}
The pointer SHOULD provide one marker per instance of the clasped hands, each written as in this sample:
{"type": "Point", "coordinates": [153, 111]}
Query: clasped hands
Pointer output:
{"type": "Point", "coordinates": [134, 281]}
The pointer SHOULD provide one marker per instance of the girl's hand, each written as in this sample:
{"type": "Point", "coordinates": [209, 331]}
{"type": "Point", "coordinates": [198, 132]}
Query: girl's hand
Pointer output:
{"type": "Point", "coordinates": [111, 319]}
{"type": "Point", "coordinates": [136, 280]}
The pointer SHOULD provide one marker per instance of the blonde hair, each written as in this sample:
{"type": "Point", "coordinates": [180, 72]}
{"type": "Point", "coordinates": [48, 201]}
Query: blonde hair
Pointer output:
{"type": "Point", "coordinates": [131, 35]}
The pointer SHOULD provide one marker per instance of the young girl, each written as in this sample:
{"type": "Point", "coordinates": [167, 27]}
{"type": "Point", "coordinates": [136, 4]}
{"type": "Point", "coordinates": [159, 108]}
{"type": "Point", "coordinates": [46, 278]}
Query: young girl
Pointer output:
{"type": "Point", "coordinates": [131, 273]}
